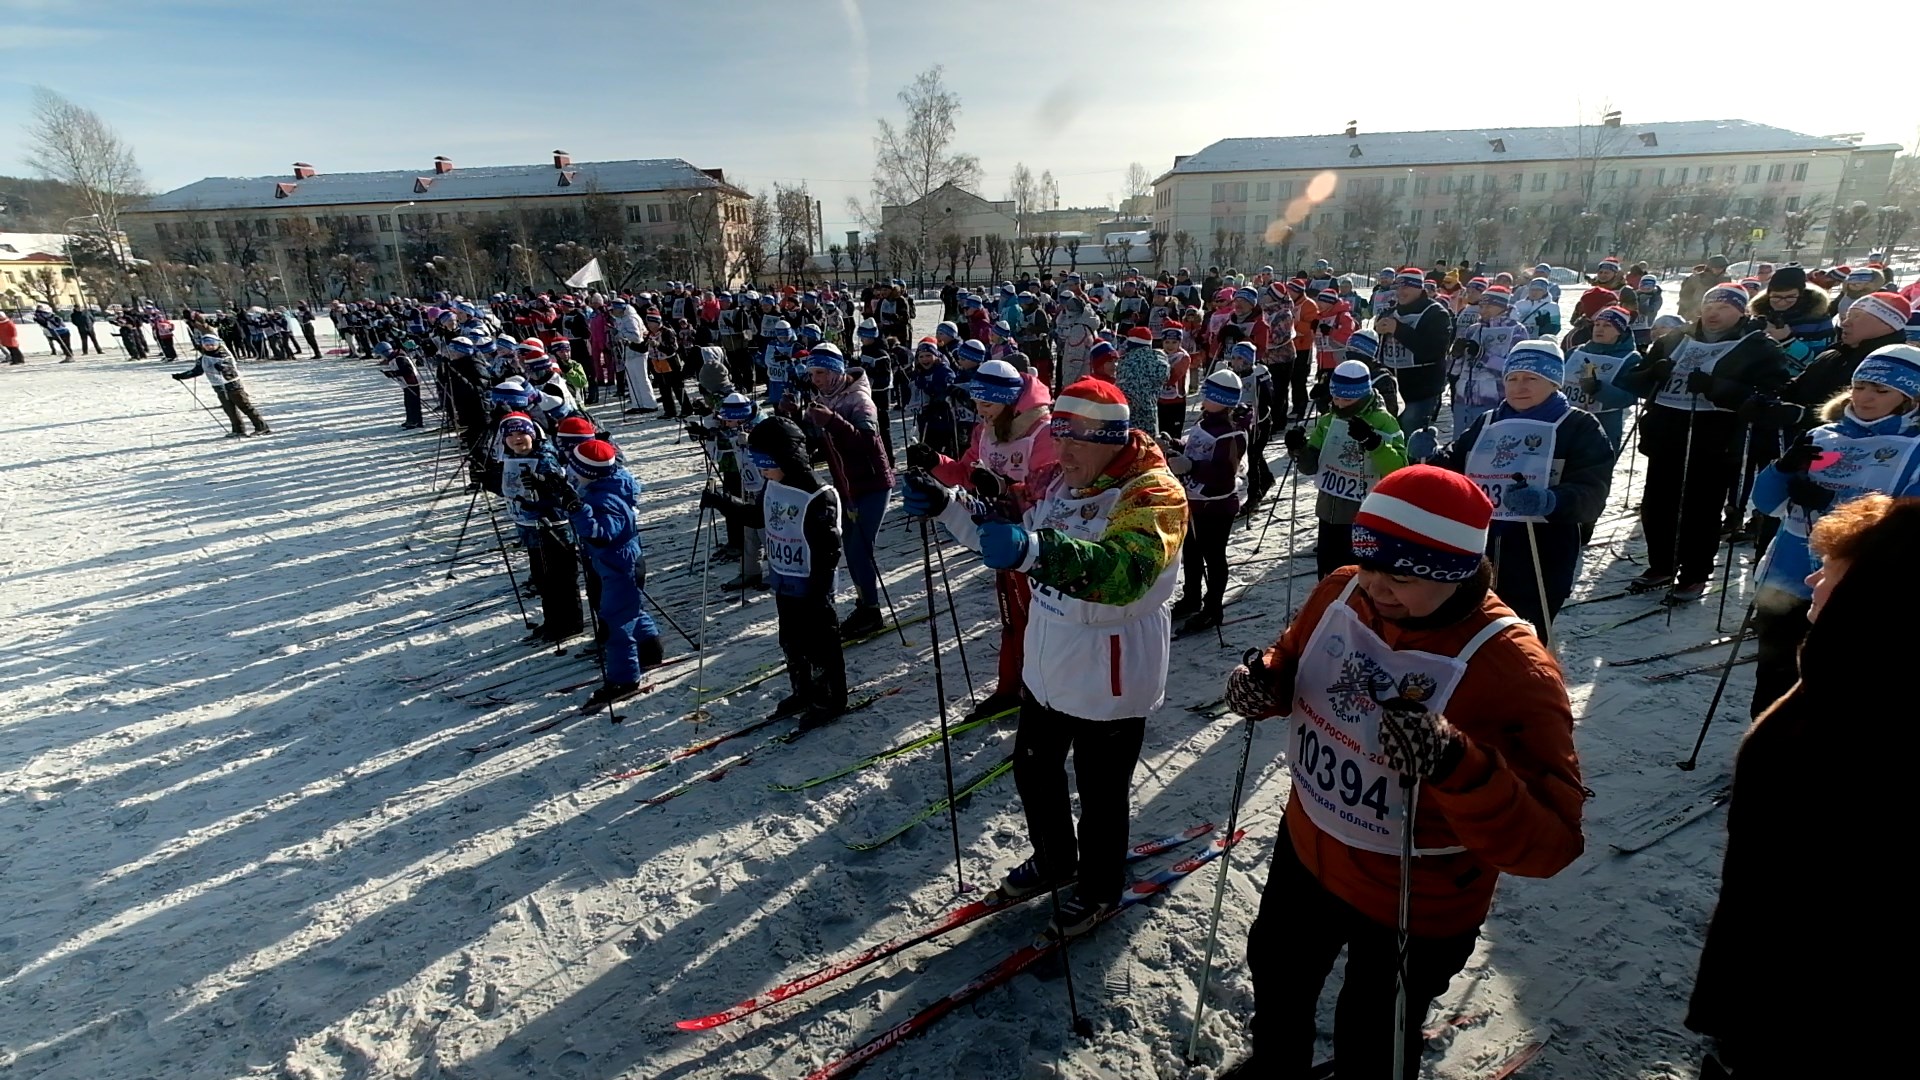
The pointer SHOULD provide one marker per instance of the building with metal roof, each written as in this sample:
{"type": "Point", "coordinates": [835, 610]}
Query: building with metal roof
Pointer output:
{"type": "Point", "coordinates": [449, 225]}
{"type": "Point", "coordinates": [1506, 195]}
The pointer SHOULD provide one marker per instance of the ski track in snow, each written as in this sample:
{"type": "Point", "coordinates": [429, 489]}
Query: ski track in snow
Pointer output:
{"type": "Point", "coordinates": [236, 844]}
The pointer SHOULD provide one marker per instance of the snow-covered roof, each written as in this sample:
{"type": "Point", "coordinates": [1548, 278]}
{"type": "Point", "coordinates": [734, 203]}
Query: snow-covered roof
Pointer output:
{"type": "Point", "coordinates": [1491, 146]}
{"type": "Point", "coordinates": [15, 247]}
{"type": "Point", "coordinates": [464, 182]}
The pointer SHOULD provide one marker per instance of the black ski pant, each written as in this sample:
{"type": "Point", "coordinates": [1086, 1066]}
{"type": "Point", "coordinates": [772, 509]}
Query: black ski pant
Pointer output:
{"type": "Point", "coordinates": [1680, 506]}
{"type": "Point", "coordinates": [166, 348]}
{"type": "Point", "coordinates": [313, 343]}
{"type": "Point", "coordinates": [1104, 755]}
{"type": "Point", "coordinates": [1205, 554]}
{"type": "Point", "coordinates": [881, 398]}
{"type": "Point", "coordinates": [62, 342]}
{"type": "Point", "coordinates": [1173, 417]}
{"type": "Point", "coordinates": [554, 565]}
{"type": "Point", "coordinates": [1298, 935]}
{"type": "Point", "coordinates": [1333, 548]}
{"type": "Point", "coordinates": [1513, 577]}
{"type": "Point", "coordinates": [1259, 473]}
{"type": "Point", "coordinates": [235, 402]}
{"type": "Point", "coordinates": [671, 387]}
{"type": "Point", "coordinates": [810, 640]}
{"type": "Point", "coordinates": [88, 337]}
{"type": "Point", "coordinates": [410, 395]}
{"type": "Point", "coordinates": [1290, 387]}
{"type": "Point", "coordinates": [1780, 623]}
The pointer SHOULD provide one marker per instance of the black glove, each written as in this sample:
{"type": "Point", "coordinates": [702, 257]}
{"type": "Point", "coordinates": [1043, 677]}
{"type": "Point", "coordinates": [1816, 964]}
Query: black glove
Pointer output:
{"type": "Point", "coordinates": [696, 429]}
{"type": "Point", "coordinates": [1296, 440]}
{"type": "Point", "coordinates": [1699, 382]}
{"type": "Point", "coordinates": [986, 483]}
{"type": "Point", "coordinates": [712, 498]}
{"type": "Point", "coordinates": [1805, 491]}
{"type": "Point", "coordinates": [1363, 433]}
{"type": "Point", "coordinates": [555, 490]}
{"type": "Point", "coordinates": [182, 375]}
{"type": "Point", "coordinates": [1465, 349]}
{"type": "Point", "coordinates": [1798, 456]}
{"type": "Point", "coordinates": [1324, 328]}
{"type": "Point", "coordinates": [922, 456]}
{"type": "Point", "coordinates": [1661, 370]}
{"type": "Point", "coordinates": [1322, 395]}
{"type": "Point", "coordinates": [922, 495]}
{"type": "Point", "coordinates": [1767, 409]}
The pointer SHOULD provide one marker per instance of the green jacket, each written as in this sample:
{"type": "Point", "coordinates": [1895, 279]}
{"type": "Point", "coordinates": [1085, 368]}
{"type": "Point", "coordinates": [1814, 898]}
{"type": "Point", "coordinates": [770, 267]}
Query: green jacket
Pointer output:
{"type": "Point", "coordinates": [1391, 454]}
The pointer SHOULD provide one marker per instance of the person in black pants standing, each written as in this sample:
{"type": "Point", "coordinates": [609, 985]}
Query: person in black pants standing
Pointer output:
{"type": "Point", "coordinates": [82, 320]}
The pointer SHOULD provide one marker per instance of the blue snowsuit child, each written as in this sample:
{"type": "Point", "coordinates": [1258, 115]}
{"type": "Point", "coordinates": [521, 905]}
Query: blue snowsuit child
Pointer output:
{"type": "Point", "coordinates": [602, 514]}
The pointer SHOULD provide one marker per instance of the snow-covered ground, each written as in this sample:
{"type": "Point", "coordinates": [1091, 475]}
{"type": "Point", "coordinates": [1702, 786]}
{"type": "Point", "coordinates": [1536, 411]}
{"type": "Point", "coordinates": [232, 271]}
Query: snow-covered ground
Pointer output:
{"type": "Point", "coordinates": [240, 837]}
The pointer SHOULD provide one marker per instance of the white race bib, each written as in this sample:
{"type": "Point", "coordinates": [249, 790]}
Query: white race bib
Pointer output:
{"type": "Point", "coordinates": [1345, 472]}
{"type": "Point", "coordinates": [1875, 463]}
{"type": "Point", "coordinates": [786, 514]}
{"type": "Point", "coordinates": [1510, 446]}
{"type": "Point", "coordinates": [1604, 369]}
{"type": "Point", "coordinates": [1689, 356]}
{"type": "Point", "coordinates": [1339, 766]}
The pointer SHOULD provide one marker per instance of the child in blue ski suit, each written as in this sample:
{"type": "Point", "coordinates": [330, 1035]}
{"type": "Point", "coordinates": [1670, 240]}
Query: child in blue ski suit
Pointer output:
{"type": "Point", "coordinates": [602, 513]}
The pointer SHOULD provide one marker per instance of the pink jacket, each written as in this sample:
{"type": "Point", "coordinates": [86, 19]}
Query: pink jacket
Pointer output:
{"type": "Point", "coordinates": [1031, 414]}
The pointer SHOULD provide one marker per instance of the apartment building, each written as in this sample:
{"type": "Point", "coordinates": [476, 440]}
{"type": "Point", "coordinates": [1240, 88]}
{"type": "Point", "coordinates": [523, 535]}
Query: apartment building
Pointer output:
{"type": "Point", "coordinates": [1514, 195]}
{"type": "Point", "coordinates": [448, 226]}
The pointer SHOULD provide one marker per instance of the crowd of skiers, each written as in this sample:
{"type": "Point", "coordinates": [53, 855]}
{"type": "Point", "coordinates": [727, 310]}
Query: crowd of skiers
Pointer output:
{"type": "Point", "coordinates": [1096, 442]}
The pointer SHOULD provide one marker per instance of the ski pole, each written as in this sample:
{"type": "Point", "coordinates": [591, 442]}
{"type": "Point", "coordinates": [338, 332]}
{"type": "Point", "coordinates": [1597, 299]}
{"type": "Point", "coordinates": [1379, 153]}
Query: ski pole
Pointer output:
{"type": "Point", "coordinates": [1291, 492]}
{"type": "Point", "coordinates": [407, 544]}
{"type": "Point", "coordinates": [1726, 672]}
{"type": "Point", "coordinates": [1680, 508]}
{"type": "Point", "coordinates": [1273, 508]}
{"type": "Point", "coordinates": [691, 644]}
{"type": "Point", "coordinates": [888, 597]}
{"type": "Point", "coordinates": [959, 639]}
{"type": "Point", "coordinates": [1633, 455]}
{"type": "Point", "coordinates": [461, 539]}
{"type": "Point", "coordinates": [1740, 501]}
{"type": "Point", "coordinates": [1406, 903]}
{"type": "Point", "coordinates": [1253, 661]}
{"type": "Point", "coordinates": [202, 404]}
{"type": "Point", "coordinates": [940, 695]}
{"type": "Point", "coordinates": [500, 540]}
{"type": "Point", "coordinates": [1540, 583]}
{"type": "Point", "coordinates": [700, 650]}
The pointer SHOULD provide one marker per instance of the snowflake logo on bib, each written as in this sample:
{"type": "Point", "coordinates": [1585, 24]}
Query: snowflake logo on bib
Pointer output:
{"type": "Point", "coordinates": [1507, 450]}
{"type": "Point", "coordinates": [1352, 454]}
{"type": "Point", "coordinates": [1353, 694]}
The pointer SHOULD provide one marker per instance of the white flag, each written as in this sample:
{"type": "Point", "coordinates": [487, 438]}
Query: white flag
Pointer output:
{"type": "Point", "coordinates": [587, 274]}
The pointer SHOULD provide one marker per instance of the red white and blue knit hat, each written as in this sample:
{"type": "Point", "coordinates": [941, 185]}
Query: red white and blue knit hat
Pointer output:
{"type": "Point", "coordinates": [1410, 276]}
{"type": "Point", "coordinates": [1497, 294]}
{"type": "Point", "coordinates": [1727, 293]}
{"type": "Point", "coordinates": [1617, 315]}
{"type": "Point", "coordinates": [594, 459]}
{"type": "Point", "coordinates": [518, 423]}
{"type": "Point", "coordinates": [1424, 522]}
{"type": "Point", "coordinates": [1889, 307]}
{"type": "Point", "coordinates": [1091, 410]}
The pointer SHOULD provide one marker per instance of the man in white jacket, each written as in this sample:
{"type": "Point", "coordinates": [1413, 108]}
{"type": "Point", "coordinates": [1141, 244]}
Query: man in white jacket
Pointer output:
{"type": "Point", "coordinates": [629, 336]}
{"type": "Point", "coordinates": [1100, 547]}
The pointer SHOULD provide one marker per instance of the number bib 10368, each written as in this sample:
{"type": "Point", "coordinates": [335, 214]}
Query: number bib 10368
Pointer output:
{"type": "Point", "coordinates": [1339, 766]}
{"type": "Point", "coordinates": [1604, 369]}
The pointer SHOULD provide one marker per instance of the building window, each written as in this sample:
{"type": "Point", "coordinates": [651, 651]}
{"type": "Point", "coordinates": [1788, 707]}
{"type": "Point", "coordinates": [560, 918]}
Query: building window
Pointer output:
{"type": "Point", "coordinates": [676, 212]}
{"type": "Point", "coordinates": [1767, 203]}
{"type": "Point", "coordinates": [1283, 189]}
{"type": "Point", "coordinates": [1511, 215]}
{"type": "Point", "coordinates": [1800, 170]}
{"type": "Point", "coordinates": [1260, 224]}
{"type": "Point", "coordinates": [653, 213]}
{"type": "Point", "coordinates": [200, 230]}
{"type": "Point", "coordinates": [1419, 186]}
{"type": "Point", "coordinates": [1399, 186]}
{"type": "Point", "coordinates": [1793, 203]}
{"type": "Point", "coordinates": [1753, 174]}
{"type": "Point", "coordinates": [1219, 193]}
{"type": "Point", "coordinates": [160, 230]}
{"type": "Point", "coordinates": [633, 215]}
{"type": "Point", "coordinates": [386, 223]}
{"type": "Point", "coordinates": [1607, 178]}
{"type": "Point", "coordinates": [1439, 216]}
{"type": "Point", "coordinates": [1446, 185]}
{"type": "Point", "coordinates": [222, 227]}
{"type": "Point", "coordinates": [280, 226]}
{"type": "Point", "coordinates": [1680, 177]}
{"type": "Point", "coordinates": [463, 217]}
{"type": "Point", "coordinates": [1516, 181]}
{"type": "Point", "coordinates": [1466, 184]}
{"type": "Point", "coordinates": [1539, 181]}
{"type": "Point", "coordinates": [406, 222]}
{"type": "Point", "coordinates": [440, 220]}
{"type": "Point", "coordinates": [1262, 191]}
{"type": "Point", "coordinates": [1347, 219]}
{"type": "Point", "coordinates": [1776, 173]}
{"type": "Point", "coordinates": [1727, 175]}
{"type": "Point", "coordinates": [1633, 177]}
{"type": "Point", "coordinates": [1746, 207]}
{"type": "Point", "coordinates": [1414, 218]}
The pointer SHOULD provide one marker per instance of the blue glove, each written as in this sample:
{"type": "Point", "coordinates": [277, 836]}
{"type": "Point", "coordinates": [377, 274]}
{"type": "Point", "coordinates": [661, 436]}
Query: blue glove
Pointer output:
{"type": "Point", "coordinates": [1003, 545]}
{"type": "Point", "coordinates": [1422, 445]}
{"type": "Point", "coordinates": [1530, 501]}
{"type": "Point", "coordinates": [921, 495]}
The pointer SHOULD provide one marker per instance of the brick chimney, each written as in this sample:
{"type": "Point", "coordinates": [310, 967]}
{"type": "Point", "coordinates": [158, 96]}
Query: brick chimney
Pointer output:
{"type": "Point", "coordinates": [442, 166]}
{"type": "Point", "coordinates": [302, 170]}
{"type": "Point", "coordinates": [562, 159]}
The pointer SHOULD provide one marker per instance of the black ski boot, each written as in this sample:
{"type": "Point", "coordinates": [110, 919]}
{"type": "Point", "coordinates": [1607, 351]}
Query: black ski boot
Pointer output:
{"type": "Point", "coordinates": [608, 693]}
{"type": "Point", "coordinates": [1649, 582]}
{"type": "Point", "coordinates": [652, 653]}
{"type": "Point", "coordinates": [1206, 619]}
{"type": "Point", "coordinates": [863, 621]}
{"type": "Point", "coordinates": [1024, 880]}
{"type": "Point", "coordinates": [791, 705]}
{"type": "Point", "coordinates": [1077, 915]}
{"type": "Point", "coordinates": [756, 582]}
{"type": "Point", "coordinates": [993, 705]}
{"type": "Point", "coordinates": [818, 716]}
{"type": "Point", "coordinates": [1185, 606]}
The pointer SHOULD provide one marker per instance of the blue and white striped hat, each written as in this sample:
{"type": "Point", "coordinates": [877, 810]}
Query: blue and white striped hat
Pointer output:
{"type": "Point", "coordinates": [1222, 388]}
{"type": "Point", "coordinates": [971, 351]}
{"type": "Point", "coordinates": [1895, 366]}
{"type": "Point", "coordinates": [998, 382]}
{"type": "Point", "coordinates": [736, 406]}
{"type": "Point", "coordinates": [1542, 357]}
{"type": "Point", "coordinates": [1364, 342]}
{"type": "Point", "coordinates": [1351, 380]}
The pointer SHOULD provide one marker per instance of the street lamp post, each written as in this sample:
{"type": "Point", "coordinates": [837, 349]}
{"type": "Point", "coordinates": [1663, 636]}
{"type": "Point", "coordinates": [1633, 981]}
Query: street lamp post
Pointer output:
{"type": "Point", "coordinates": [400, 244]}
{"type": "Point", "coordinates": [66, 242]}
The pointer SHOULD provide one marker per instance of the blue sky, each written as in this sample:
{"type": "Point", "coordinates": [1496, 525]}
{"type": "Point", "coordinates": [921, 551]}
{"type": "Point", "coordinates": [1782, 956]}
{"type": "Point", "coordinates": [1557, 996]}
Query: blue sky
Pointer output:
{"type": "Point", "coordinates": [789, 90]}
